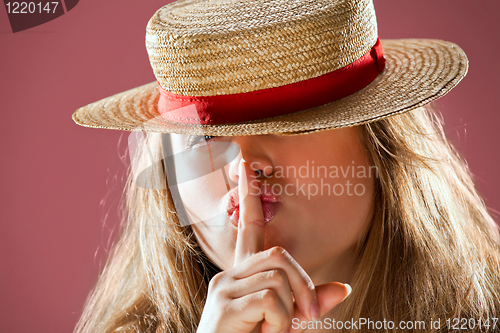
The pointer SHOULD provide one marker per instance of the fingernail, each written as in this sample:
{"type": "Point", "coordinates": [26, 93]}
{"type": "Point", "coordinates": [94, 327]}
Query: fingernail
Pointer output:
{"type": "Point", "coordinates": [314, 310]}
{"type": "Point", "coordinates": [349, 289]}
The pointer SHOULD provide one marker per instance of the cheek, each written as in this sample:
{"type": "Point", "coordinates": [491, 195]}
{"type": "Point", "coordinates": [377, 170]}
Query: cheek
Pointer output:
{"type": "Point", "coordinates": [326, 229]}
{"type": "Point", "coordinates": [203, 197]}
{"type": "Point", "coordinates": [347, 216]}
{"type": "Point", "coordinates": [347, 193]}
{"type": "Point", "coordinates": [339, 206]}
{"type": "Point", "coordinates": [346, 186]}
{"type": "Point", "coordinates": [217, 242]}
{"type": "Point", "coordinates": [330, 204]}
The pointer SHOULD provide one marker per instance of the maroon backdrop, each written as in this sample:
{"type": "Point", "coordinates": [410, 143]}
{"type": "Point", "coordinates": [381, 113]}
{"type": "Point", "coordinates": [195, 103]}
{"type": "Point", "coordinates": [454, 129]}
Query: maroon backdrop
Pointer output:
{"type": "Point", "coordinates": [61, 183]}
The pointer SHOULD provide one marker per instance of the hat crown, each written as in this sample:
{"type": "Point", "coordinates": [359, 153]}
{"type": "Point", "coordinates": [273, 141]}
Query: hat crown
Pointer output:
{"type": "Point", "coordinates": [207, 48]}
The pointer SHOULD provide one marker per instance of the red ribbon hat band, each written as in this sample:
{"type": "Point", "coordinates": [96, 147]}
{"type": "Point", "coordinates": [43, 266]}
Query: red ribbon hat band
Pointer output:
{"type": "Point", "coordinates": [272, 102]}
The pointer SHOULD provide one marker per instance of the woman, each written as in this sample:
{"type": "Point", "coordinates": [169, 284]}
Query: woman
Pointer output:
{"type": "Point", "coordinates": [301, 157]}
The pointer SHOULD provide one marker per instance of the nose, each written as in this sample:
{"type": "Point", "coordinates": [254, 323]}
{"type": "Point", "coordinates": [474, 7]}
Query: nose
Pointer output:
{"type": "Point", "coordinates": [255, 152]}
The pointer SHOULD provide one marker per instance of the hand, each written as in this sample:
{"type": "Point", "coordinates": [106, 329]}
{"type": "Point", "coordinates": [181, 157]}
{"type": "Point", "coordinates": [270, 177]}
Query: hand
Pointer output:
{"type": "Point", "coordinates": [264, 290]}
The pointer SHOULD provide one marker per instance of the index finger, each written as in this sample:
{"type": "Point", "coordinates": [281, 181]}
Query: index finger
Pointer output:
{"type": "Point", "coordinates": [250, 239]}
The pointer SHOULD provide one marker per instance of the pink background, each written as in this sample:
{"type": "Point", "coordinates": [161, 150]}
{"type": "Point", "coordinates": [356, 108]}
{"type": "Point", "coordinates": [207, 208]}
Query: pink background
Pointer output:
{"type": "Point", "coordinates": [55, 175]}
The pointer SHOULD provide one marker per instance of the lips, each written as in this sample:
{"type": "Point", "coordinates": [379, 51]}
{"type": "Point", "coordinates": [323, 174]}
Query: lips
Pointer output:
{"type": "Point", "coordinates": [270, 204]}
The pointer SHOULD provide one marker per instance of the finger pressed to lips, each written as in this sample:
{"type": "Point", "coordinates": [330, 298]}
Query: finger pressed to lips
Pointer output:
{"type": "Point", "coordinates": [250, 244]}
{"type": "Point", "coordinates": [250, 238]}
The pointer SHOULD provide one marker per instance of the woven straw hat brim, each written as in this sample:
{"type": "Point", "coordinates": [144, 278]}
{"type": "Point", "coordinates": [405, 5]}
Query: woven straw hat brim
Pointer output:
{"type": "Point", "coordinates": [418, 71]}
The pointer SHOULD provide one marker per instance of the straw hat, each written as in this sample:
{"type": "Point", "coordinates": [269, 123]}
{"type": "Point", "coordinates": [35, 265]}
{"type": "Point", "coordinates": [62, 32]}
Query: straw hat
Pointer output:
{"type": "Point", "coordinates": [238, 67]}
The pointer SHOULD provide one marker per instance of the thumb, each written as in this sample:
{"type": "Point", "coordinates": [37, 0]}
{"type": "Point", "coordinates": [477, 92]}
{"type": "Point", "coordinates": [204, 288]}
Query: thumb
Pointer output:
{"type": "Point", "coordinates": [329, 295]}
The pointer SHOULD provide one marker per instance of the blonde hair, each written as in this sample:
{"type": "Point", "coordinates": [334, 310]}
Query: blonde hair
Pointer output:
{"type": "Point", "coordinates": [432, 251]}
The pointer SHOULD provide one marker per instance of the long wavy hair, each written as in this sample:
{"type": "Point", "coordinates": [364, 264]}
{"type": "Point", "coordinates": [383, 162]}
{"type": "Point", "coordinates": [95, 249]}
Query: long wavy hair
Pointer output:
{"type": "Point", "coordinates": [432, 250]}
